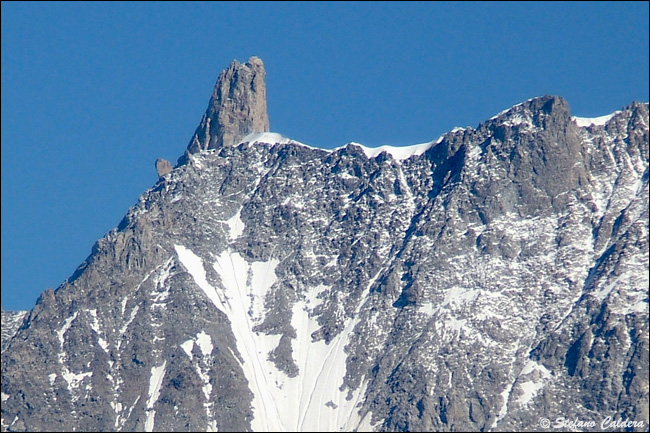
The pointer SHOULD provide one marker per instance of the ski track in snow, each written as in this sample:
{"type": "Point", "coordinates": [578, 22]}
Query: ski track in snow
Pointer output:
{"type": "Point", "coordinates": [311, 401]}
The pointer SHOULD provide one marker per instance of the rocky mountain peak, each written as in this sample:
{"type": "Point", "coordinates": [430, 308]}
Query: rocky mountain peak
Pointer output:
{"type": "Point", "coordinates": [535, 112]}
{"type": "Point", "coordinates": [549, 104]}
{"type": "Point", "coordinates": [484, 281]}
{"type": "Point", "coordinates": [237, 107]}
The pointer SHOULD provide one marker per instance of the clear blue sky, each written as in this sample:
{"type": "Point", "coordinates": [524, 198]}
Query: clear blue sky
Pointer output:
{"type": "Point", "coordinates": [93, 93]}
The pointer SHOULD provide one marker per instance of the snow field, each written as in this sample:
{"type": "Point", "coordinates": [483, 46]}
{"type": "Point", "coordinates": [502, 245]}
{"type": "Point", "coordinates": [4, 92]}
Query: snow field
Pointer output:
{"type": "Point", "coordinates": [311, 401]}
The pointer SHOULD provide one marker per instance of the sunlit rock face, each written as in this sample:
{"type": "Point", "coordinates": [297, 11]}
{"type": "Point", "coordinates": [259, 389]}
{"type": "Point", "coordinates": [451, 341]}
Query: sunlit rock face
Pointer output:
{"type": "Point", "coordinates": [236, 109]}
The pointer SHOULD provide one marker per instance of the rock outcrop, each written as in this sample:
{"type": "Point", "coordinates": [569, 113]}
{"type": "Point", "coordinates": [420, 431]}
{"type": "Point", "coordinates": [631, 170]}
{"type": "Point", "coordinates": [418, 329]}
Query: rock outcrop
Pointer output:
{"type": "Point", "coordinates": [236, 109]}
{"type": "Point", "coordinates": [163, 167]}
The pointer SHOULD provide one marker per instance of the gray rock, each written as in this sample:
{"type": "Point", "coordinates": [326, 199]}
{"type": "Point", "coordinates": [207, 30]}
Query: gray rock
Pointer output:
{"type": "Point", "coordinates": [163, 167]}
{"type": "Point", "coordinates": [236, 109]}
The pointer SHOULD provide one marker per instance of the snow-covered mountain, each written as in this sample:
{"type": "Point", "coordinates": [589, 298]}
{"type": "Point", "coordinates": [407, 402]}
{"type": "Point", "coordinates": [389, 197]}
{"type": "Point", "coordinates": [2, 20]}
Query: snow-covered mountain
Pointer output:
{"type": "Point", "coordinates": [493, 277]}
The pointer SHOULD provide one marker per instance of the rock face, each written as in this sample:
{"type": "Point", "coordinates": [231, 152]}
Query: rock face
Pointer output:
{"type": "Point", "coordinates": [490, 278]}
{"type": "Point", "coordinates": [236, 109]}
{"type": "Point", "coordinates": [163, 167]}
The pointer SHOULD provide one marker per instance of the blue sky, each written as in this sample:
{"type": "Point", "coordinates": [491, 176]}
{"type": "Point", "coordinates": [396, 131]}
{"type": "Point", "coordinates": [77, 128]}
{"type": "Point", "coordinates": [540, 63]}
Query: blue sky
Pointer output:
{"type": "Point", "coordinates": [93, 93]}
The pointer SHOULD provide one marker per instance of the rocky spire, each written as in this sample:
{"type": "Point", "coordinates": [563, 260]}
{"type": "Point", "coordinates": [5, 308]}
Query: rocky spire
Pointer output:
{"type": "Point", "coordinates": [236, 109]}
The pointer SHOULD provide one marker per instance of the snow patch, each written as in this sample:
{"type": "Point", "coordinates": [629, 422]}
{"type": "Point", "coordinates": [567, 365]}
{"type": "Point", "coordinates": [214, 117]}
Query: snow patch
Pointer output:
{"type": "Point", "coordinates": [128, 322]}
{"type": "Point", "coordinates": [94, 324]}
{"type": "Point", "coordinates": [455, 324]}
{"type": "Point", "coordinates": [204, 342]}
{"type": "Point", "coordinates": [459, 295]}
{"type": "Point", "coordinates": [505, 395]}
{"type": "Point", "coordinates": [529, 388]}
{"type": "Point", "coordinates": [427, 308]}
{"type": "Point", "coordinates": [269, 138]}
{"type": "Point", "coordinates": [64, 328]}
{"type": "Point", "coordinates": [234, 301]}
{"type": "Point", "coordinates": [515, 120]}
{"type": "Point", "coordinates": [187, 347]}
{"type": "Point", "coordinates": [74, 379]}
{"type": "Point", "coordinates": [194, 266]}
{"type": "Point", "coordinates": [398, 153]}
{"type": "Point", "coordinates": [236, 226]}
{"type": "Point", "coordinates": [155, 384]}
{"type": "Point", "coordinates": [160, 291]}
{"type": "Point", "coordinates": [584, 122]}
{"type": "Point", "coordinates": [473, 153]}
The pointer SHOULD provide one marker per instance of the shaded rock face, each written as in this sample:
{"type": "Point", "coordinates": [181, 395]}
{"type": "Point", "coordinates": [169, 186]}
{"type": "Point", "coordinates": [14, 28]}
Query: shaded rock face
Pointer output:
{"type": "Point", "coordinates": [498, 277]}
{"type": "Point", "coordinates": [236, 109]}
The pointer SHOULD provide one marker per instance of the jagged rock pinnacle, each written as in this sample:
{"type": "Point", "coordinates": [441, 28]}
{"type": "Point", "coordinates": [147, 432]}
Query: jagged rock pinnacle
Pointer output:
{"type": "Point", "coordinates": [237, 107]}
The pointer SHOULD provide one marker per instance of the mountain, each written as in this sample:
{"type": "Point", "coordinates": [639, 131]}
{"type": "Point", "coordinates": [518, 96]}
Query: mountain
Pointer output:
{"type": "Point", "coordinates": [483, 281]}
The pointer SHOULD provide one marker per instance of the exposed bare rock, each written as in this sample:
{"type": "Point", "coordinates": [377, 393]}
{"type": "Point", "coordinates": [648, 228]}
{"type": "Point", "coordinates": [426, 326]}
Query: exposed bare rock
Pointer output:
{"type": "Point", "coordinates": [163, 167]}
{"type": "Point", "coordinates": [236, 109]}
